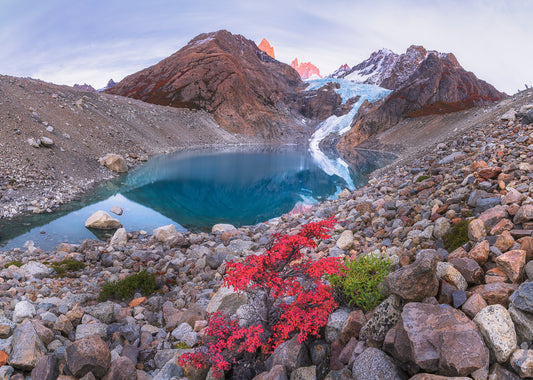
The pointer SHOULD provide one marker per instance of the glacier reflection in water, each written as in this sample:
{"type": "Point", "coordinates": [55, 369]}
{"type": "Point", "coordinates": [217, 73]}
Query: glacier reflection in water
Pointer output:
{"type": "Point", "coordinates": [195, 190]}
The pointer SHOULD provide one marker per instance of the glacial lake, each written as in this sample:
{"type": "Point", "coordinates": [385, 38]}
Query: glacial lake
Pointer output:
{"type": "Point", "coordinates": [194, 190]}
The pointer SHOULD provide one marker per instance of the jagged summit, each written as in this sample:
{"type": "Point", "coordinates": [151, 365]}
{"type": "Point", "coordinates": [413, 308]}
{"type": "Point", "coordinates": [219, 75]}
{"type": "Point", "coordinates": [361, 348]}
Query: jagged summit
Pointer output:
{"type": "Point", "coordinates": [390, 70]}
{"type": "Point", "coordinates": [306, 69]}
{"type": "Point", "coordinates": [267, 48]}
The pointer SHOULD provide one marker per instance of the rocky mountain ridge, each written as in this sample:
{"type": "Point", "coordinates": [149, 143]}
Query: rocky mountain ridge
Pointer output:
{"type": "Point", "coordinates": [424, 83]}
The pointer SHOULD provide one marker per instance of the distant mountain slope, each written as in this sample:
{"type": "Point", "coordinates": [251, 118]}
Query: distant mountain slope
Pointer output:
{"type": "Point", "coordinates": [424, 83]}
{"type": "Point", "coordinates": [244, 89]}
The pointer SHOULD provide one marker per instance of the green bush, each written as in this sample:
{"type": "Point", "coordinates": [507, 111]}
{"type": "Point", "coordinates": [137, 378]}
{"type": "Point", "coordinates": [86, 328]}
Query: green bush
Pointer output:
{"type": "Point", "coordinates": [361, 284]}
{"type": "Point", "coordinates": [122, 289]}
{"type": "Point", "coordinates": [457, 236]}
{"type": "Point", "coordinates": [421, 178]}
{"type": "Point", "coordinates": [61, 267]}
{"type": "Point", "coordinates": [16, 263]}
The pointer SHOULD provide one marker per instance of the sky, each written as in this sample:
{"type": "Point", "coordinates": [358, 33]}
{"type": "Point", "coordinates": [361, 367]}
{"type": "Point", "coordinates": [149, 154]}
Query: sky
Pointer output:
{"type": "Point", "coordinates": [67, 42]}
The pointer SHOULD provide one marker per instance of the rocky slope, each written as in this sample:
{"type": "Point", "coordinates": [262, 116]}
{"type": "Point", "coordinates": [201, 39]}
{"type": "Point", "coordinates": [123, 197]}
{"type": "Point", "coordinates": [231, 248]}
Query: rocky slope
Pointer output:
{"type": "Point", "coordinates": [424, 83]}
{"type": "Point", "coordinates": [246, 90]}
{"type": "Point", "coordinates": [464, 313]}
{"type": "Point", "coordinates": [82, 127]}
{"type": "Point", "coordinates": [306, 69]}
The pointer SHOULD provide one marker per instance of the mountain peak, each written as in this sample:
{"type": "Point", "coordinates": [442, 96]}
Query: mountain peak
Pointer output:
{"type": "Point", "coordinates": [306, 69]}
{"type": "Point", "coordinates": [267, 48]}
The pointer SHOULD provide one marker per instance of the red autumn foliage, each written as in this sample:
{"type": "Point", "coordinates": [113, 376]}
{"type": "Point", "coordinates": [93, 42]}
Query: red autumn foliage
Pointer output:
{"type": "Point", "coordinates": [289, 293]}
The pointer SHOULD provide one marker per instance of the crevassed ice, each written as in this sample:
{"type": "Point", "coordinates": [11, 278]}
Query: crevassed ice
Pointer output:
{"type": "Point", "coordinates": [340, 124]}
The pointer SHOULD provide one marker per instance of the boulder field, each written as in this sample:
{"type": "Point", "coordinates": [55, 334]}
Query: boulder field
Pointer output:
{"type": "Point", "coordinates": [462, 312]}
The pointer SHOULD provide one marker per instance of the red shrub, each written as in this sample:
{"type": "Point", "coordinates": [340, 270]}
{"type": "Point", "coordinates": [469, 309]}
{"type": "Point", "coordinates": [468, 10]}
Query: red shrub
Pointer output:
{"type": "Point", "coordinates": [288, 292]}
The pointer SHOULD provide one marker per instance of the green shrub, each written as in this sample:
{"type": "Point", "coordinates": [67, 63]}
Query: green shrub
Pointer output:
{"type": "Point", "coordinates": [361, 285]}
{"type": "Point", "coordinates": [16, 263]}
{"type": "Point", "coordinates": [122, 289]}
{"type": "Point", "coordinates": [421, 178]}
{"type": "Point", "coordinates": [61, 267]}
{"type": "Point", "coordinates": [457, 236]}
{"type": "Point", "coordinates": [182, 346]}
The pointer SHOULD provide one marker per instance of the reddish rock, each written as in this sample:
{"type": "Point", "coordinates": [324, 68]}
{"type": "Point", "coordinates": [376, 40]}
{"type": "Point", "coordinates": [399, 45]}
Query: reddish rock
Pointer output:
{"type": "Point", "coordinates": [524, 214]}
{"type": "Point", "coordinates": [493, 215]}
{"type": "Point", "coordinates": [3, 358]}
{"type": "Point", "coordinates": [416, 281]}
{"type": "Point", "coordinates": [512, 196]}
{"type": "Point", "coordinates": [352, 326]}
{"type": "Point", "coordinates": [504, 242]}
{"type": "Point", "coordinates": [489, 173]}
{"type": "Point", "coordinates": [502, 225]}
{"type": "Point", "coordinates": [305, 69]}
{"type": "Point", "coordinates": [512, 263]}
{"type": "Point", "coordinates": [428, 376]}
{"type": "Point", "coordinates": [267, 48]}
{"type": "Point", "coordinates": [446, 292]}
{"type": "Point", "coordinates": [334, 361]}
{"type": "Point", "coordinates": [89, 354]}
{"type": "Point", "coordinates": [469, 268]}
{"type": "Point", "coordinates": [441, 339]}
{"type": "Point", "coordinates": [457, 253]}
{"type": "Point", "coordinates": [473, 305]}
{"type": "Point", "coordinates": [495, 275]}
{"type": "Point", "coordinates": [47, 368]}
{"type": "Point", "coordinates": [480, 252]}
{"type": "Point", "coordinates": [526, 244]}
{"type": "Point", "coordinates": [476, 230]}
{"type": "Point", "coordinates": [137, 301]}
{"type": "Point", "coordinates": [121, 369]}
{"type": "Point", "coordinates": [497, 293]}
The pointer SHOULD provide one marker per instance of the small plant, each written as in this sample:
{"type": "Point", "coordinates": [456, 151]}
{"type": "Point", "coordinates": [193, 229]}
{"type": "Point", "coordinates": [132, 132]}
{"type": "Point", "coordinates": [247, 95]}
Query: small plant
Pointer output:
{"type": "Point", "coordinates": [16, 263]}
{"type": "Point", "coordinates": [361, 282]}
{"type": "Point", "coordinates": [421, 178]}
{"type": "Point", "coordinates": [12, 181]}
{"type": "Point", "coordinates": [182, 346]}
{"type": "Point", "coordinates": [457, 236]}
{"type": "Point", "coordinates": [289, 295]}
{"type": "Point", "coordinates": [123, 289]}
{"type": "Point", "coordinates": [61, 267]}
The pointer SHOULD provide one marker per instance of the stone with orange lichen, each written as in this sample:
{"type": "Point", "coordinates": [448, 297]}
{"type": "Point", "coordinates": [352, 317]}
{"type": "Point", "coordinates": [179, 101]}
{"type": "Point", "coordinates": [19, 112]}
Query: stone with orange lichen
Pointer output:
{"type": "Point", "coordinates": [137, 301]}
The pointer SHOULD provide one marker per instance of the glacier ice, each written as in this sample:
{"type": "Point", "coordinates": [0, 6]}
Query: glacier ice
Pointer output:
{"type": "Point", "coordinates": [340, 124]}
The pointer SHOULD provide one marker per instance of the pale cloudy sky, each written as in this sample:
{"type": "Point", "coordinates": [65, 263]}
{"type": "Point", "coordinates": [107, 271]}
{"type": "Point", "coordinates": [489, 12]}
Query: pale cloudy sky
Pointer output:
{"type": "Point", "coordinates": [67, 42]}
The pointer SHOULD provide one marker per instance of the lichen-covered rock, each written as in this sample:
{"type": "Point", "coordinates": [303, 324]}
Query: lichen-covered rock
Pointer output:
{"type": "Point", "coordinates": [375, 364]}
{"type": "Point", "coordinates": [497, 327]}
{"type": "Point", "coordinates": [385, 316]}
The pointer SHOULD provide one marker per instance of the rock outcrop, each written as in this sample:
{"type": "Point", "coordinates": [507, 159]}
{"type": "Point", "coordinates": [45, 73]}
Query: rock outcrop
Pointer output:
{"type": "Point", "coordinates": [244, 88]}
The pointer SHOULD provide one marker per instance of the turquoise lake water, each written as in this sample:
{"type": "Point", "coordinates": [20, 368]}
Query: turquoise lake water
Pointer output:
{"type": "Point", "coordinates": [195, 190]}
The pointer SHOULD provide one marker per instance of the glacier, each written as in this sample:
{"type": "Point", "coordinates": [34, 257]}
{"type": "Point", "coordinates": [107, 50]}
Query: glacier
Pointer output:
{"type": "Point", "coordinates": [340, 124]}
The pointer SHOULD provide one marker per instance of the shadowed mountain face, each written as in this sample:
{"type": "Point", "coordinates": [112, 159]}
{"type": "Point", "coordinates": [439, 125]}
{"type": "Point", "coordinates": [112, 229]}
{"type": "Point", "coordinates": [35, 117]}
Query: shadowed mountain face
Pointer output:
{"type": "Point", "coordinates": [245, 89]}
{"type": "Point", "coordinates": [436, 84]}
